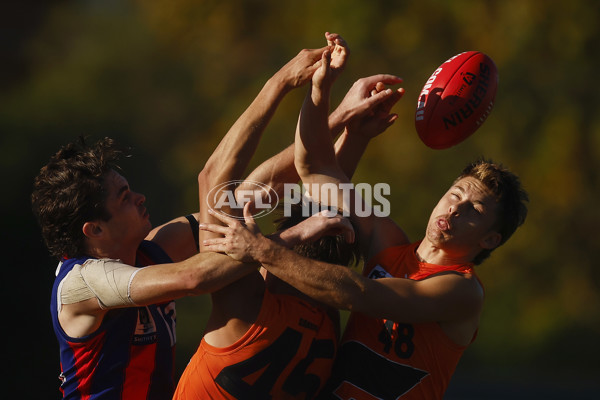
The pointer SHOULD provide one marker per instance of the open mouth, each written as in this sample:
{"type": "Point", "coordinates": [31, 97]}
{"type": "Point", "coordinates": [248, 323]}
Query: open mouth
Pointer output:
{"type": "Point", "coordinates": [443, 224]}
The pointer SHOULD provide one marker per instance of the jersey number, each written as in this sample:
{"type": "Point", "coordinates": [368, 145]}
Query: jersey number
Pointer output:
{"type": "Point", "coordinates": [273, 360]}
{"type": "Point", "coordinates": [403, 345]}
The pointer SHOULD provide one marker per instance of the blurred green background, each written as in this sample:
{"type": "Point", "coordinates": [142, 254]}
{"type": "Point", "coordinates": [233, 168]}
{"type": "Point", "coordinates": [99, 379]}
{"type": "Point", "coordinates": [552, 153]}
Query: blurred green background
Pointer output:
{"type": "Point", "coordinates": [169, 77]}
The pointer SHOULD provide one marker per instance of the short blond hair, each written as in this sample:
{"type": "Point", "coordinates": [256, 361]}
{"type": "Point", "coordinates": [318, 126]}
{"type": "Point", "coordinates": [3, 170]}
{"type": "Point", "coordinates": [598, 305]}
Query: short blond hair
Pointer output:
{"type": "Point", "coordinates": [510, 196]}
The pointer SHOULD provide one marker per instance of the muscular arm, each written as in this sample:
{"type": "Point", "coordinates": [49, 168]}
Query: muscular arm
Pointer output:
{"type": "Point", "coordinates": [200, 274]}
{"type": "Point", "coordinates": [349, 148]}
{"type": "Point", "coordinates": [443, 297]}
{"type": "Point", "coordinates": [232, 155]}
{"type": "Point", "coordinates": [314, 151]}
{"type": "Point", "coordinates": [127, 286]}
{"type": "Point", "coordinates": [358, 116]}
{"type": "Point", "coordinates": [366, 125]}
{"type": "Point", "coordinates": [280, 169]}
{"type": "Point", "coordinates": [440, 298]}
{"type": "Point", "coordinates": [227, 162]}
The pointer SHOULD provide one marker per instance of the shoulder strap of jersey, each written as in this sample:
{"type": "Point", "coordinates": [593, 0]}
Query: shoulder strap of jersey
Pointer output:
{"type": "Point", "coordinates": [150, 253]}
{"type": "Point", "coordinates": [195, 229]}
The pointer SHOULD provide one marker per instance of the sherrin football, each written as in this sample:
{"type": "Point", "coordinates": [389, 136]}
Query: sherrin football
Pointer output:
{"type": "Point", "coordinates": [456, 99]}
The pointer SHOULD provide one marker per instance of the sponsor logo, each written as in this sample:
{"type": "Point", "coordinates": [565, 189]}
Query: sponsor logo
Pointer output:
{"type": "Point", "coordinates": [145, 329]}
{"type": "Point", "coordinates": [420, 113]}
{"type": "Point", "coordinates": [475, 101]}
{"type": "Point", "coordinates": [379, 272]}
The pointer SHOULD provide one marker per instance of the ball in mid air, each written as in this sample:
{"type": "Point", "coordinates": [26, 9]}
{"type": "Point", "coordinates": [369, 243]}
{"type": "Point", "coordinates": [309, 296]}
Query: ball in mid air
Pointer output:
{"type": "Point", "coordinates": [456, 99]}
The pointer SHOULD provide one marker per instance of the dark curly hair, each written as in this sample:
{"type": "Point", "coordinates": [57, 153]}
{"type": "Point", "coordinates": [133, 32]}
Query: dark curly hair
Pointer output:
{"type": "Point", "coordinates": [69, 191]}
{"type": "Point", "coordinates": [510, 196]}
{"type": "Point", "coordinates": [329, 249]}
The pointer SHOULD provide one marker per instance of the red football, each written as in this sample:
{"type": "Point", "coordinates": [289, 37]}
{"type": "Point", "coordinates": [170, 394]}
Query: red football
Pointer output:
{"type": "Point", "coordinates": [456, 99]}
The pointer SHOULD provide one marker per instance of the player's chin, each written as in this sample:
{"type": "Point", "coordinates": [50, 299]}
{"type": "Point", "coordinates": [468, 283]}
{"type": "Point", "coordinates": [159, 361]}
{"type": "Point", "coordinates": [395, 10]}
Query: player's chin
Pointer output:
{"type": "Point", "coordinates": [433, 234]}
{"type": "Point", "coordinates": [147, 227]}
{"type": "Point", "coordinates": [438, 236]}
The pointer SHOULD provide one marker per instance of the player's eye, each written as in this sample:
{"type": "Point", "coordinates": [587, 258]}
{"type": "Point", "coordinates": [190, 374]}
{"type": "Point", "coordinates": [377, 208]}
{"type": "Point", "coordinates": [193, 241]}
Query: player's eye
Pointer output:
{"type": "Point", "coordinates": [126, 196]}
{"type": "Point", "coordinates": [478, 208]}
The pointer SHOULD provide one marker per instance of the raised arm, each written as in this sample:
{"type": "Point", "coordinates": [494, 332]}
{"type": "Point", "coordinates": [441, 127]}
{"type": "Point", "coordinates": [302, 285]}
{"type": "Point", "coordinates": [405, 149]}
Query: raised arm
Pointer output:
{"type": "Point", "coordinates": [314, 151]}
{"type": "Point", "coordinates": [365, 112]}
{"type": "Point", "coordinates": [359, 131]}
{"type": "Point", "coordinates": [357, 115]}
{"type": "Point", "coordinates": [279, 169]}
{"type": "Point", "coordinates": [232, 155]}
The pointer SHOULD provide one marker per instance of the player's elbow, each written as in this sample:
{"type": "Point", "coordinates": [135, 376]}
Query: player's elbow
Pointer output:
{"type": "Point", "coordinates": [307, 170]}
{"type": "Point", "coordinates": [303, 168]}
{"type": "Point", "coordinates": [210, 177]}
{"type": "Point", "coordinates": [203, 178]}
{"type": "Point", "coordinates": [213, 174]}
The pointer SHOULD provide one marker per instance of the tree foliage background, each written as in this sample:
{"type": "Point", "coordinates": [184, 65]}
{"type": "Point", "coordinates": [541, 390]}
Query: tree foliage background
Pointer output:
{"type": "Point", "coordinates": [169, 77]}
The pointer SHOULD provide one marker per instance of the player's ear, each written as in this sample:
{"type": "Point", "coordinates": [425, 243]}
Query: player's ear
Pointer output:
{"type": "Point", "coordinates": [91, 229]}
{"type": "Point", "coordinates": [491, 240]}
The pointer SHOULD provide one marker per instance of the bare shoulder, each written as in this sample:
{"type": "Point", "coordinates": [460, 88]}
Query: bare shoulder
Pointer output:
{"type": "Point", "coordinates": [458, 284]}
{"type": "Point", "coordinates": [176, 238]}
{"type": "Point", "coordinates": [464, 303]}
{"type": "Point", "coordinates": [381, 233]}
{"type": "Point", "coordinates": [458, 296]}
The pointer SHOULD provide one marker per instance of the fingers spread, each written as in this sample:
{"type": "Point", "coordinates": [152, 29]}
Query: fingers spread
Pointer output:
{"type": "Point", "coordinates": [214, 228]}
{"type": "Point", "coordinates": [221, 217]}
{"type": "Point", "coordinates": [248, 218]}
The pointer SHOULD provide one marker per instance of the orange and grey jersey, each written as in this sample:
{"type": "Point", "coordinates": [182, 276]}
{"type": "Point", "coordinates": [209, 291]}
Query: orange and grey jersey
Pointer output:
{"type": "Point", "coordinates": [383, 359]}
{"type": "Point", "coordinates": [287, 353]}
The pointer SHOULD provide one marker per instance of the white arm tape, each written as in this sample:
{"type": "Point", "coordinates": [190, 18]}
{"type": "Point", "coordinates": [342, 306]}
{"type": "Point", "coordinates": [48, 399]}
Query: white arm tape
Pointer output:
{"type": "Point", "coordinates": [110, 281]}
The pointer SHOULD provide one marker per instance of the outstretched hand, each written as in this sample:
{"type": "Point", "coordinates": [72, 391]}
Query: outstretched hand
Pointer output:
{"type": "Point", "coordinates": [300, 69]}
{"type": "Point", "coordinates": [244, 241]}
{"type": "Point", "coordinates": [239, 240]}
{"type": "Point", "coordinates": [339, 52]}
{"type": "Point", "coordinates": [322, 224]}
{"type": "Point", "coordinates": [380, 117]}
{"type": "Point", "coordinates": [368, 94]}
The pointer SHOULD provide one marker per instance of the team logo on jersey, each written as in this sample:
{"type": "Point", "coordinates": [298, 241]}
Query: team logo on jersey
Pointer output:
{"type": "Point", "coordinates": [379, 272]}
{"type": "Point", "coordinates": [167, 313]}
{"type": "Point", "coordinates": [145, 330]}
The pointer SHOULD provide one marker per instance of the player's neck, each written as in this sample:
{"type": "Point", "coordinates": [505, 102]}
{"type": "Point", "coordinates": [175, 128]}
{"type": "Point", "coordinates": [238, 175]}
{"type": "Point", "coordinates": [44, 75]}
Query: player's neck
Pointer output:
{"type": "Point", "coordinates": [117, 252]}
{"type": "Point", "coordinates": [429, 253]}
